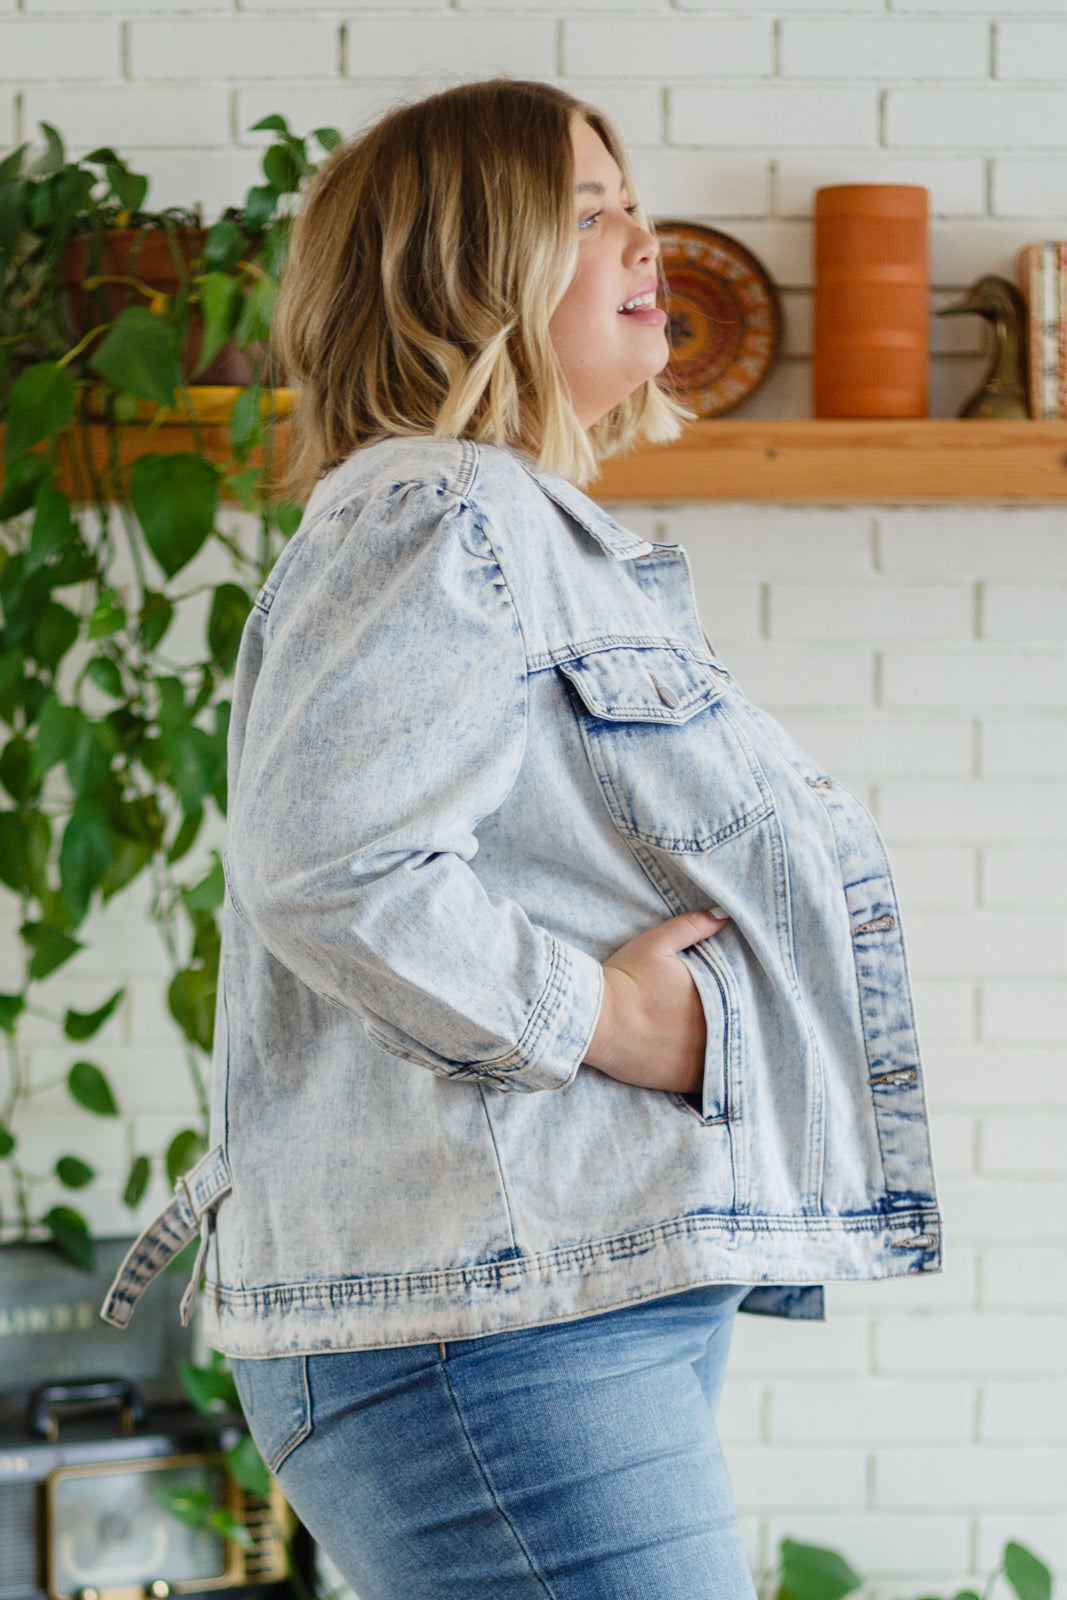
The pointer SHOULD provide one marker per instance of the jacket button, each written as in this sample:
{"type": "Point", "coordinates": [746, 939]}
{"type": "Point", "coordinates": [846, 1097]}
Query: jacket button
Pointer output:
{"type": "Point", "coordinates": [668, 696]}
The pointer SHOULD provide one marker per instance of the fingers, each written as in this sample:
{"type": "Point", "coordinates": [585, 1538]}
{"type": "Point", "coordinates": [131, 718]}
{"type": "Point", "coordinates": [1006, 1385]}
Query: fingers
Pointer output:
{"type": "Point", "coordinates": [678, 933]}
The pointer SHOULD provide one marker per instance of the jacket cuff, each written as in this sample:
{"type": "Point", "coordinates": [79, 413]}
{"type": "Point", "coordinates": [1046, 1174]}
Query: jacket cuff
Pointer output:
{"type": "Point", "coordinates": [561, 1025]}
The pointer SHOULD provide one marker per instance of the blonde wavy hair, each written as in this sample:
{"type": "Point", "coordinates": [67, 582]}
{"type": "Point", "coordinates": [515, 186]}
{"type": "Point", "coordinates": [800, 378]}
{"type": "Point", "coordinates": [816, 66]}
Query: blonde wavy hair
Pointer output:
{"type": "Point", "coordinates": [425, 264]}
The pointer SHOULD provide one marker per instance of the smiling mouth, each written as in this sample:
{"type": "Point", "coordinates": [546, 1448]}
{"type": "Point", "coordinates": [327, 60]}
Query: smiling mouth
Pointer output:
{"type": "Point", "coordinates": [640, 302]}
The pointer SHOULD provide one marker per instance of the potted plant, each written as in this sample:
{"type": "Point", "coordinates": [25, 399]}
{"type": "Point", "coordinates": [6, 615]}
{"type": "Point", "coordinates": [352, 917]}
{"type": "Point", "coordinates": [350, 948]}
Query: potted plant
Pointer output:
{"type": "Point", "coordinates": [112, 750]}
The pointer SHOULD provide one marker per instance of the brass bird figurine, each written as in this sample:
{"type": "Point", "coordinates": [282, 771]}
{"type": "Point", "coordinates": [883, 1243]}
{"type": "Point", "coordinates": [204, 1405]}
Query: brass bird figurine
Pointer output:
{"type": "Point", "coordinates": [1003, 392]}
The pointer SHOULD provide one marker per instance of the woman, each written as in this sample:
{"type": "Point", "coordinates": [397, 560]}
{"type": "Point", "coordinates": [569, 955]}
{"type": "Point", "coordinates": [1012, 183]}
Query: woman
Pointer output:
{"type": "Point", "coordinates": [564, 1002]}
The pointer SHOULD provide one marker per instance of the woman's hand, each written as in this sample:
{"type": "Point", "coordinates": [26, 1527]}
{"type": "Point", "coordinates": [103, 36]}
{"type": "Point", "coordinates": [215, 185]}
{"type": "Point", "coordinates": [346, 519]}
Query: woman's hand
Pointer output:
{"type": "Point", "coordinates": [651, 1027]}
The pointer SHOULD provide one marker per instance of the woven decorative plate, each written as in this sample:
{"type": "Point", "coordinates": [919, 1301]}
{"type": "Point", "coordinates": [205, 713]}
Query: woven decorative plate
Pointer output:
{"type": "Point", "coordinates": [725, 321]}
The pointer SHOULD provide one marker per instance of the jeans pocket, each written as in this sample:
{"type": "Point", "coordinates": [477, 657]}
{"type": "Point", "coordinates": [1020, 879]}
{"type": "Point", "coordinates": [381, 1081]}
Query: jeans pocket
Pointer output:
{"type": "Point", "coordinates": [277, 1404]}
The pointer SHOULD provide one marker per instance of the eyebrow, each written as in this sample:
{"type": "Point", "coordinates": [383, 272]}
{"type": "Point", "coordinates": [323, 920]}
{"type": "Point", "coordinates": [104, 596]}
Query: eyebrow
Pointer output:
{"type": "Point", "coordinates": [591, 187]}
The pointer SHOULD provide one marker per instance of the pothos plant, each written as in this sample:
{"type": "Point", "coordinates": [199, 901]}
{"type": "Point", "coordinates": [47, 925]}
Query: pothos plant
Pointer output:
{"type": "Point", "coordinates": [811, 1572]}
{"type": "Point", "coordinates": [113, 752]}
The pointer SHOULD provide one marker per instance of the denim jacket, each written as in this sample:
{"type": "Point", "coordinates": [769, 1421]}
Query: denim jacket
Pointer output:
{"type": "Point", "coordinates": [478, 742]}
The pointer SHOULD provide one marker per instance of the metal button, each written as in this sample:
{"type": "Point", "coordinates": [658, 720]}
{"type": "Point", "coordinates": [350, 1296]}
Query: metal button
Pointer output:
{"type": "Point", "coordinates": [668, 696]}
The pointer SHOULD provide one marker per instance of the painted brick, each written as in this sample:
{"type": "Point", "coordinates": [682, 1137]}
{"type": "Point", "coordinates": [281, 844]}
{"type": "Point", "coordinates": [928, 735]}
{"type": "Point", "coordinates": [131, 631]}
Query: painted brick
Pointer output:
{"type": "Point", "coordinates": [782, 5]}
{"type": "Point", "coordinates": [730, 612]}
{"type": "Point", "coordinates": [1015, 1413]}
{"type": "Point", "coordinates": [1044, 1533]}
{"type": "Point", "coordinates": [945, 1011]}
{"type": "Point", "coordinates": [142, 1078]}
{"type": "Point", "coordinates": [804, 678]}
{"type": "Point", "coordinates": [552, 5]}
{"type": "Point", "coordinates": [956, 184]}
{"type": "Point", "coordinates": [740, 1415]}
{"type": "Point", "coordinates": [1024, 747]}
{"type": "Point", "coordinates": [976, 541]}
{"type": "Point", "coordinates": [967, 1345]}
{"type": "Point", "coordinates": [962, 251]}
{"type": "Point", "coordinates": [774, 118]}
{"type": "Point", "coordinates": [765, 1347]}
{"type": "Point", "coordinates": [122, 7]}
{"type": "Point", "coordinates": [953, 1135]}
{"type": "Point", "coordinates": [988, 943]}
{"type": "Point", "coordinates": [1029, 188]}
{"type": "Point", "coordinates": [796, 307]}
{"type": "Point", "coordinates": [992, 118]}
{"type": "Point", "coordinates": [884, 1544]}
{"type": "Point", "coordinates": [348, 106]}
{"type": "Point", "coordinates": [668, 48]}
{"type": "Point", "coordinates": [156, 119]}
{"type": "Point", "coordinates": [377, 6]}
{"type": "Point", "coordinates": [786, 391]}
{"type": "Point", "coordinates": [1024, 1013]}
{"type": "Point", "coordinates": [985, 811]}
{"type": "Point", "coordinates": [884, 47]}
{"type": "Point", "coordinates": [871, 611]}
{"type": "Point", "coordinates": [683, 183]}
{"type": "Point", "coordinates": [994, 1076]}
{"type": "Point", "coordinates": [36, 51]}
{"type": "Point", "coordinates": [954, 1288]}
{"type": "Point", "coordinates": [726, 542]}
{"type": "Point", "coordinates": [1028, 612]}
{"type": "Point", "coordinates": [990, 675]}
{"type": "Point", "coordinates": [975, 1479]}
{"type": "Point", "coordinates": [826, 1411]}
{"type": "Point", "coordinates": [1024, 1144]}
{"type": "Point", "coordinates": [878, 744]}
{"type": "Point", "coordinates": [935, 876]}
{"type": "Point", "coordinates": [1025, 1275]}
{"type": "Point", "coordinates": [991, 1208]}
{"type": "Point", "coordinates": [635, 109]}
{"type": "Point", "coordinates": [1024, 877]}
{"type": "Point", "coordinates": [956, 336]}
{"type": "Point", "coordinates": [210, 181]}
{"type": "Point", "coordinates": [473, 47]}
{"type": "Point", "coordinates": [260, 47]}
{"type": "Point", "coordinates": [1032, 50]}
{"type": "Point", "coordinates": [798, 1480]}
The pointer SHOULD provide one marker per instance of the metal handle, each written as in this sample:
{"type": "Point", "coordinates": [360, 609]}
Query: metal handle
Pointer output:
{"type": "Point", "coordinates": [51, 1401]}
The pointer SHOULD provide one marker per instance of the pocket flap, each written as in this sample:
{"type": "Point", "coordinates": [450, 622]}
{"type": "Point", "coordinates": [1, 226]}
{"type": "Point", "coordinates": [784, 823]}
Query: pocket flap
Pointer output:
{"type": "Point", "coordinates": [642, 684]}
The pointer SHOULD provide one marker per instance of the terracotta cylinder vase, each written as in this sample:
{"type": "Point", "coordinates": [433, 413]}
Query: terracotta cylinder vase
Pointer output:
{"type": "Point", "coordinates": [871, 342]}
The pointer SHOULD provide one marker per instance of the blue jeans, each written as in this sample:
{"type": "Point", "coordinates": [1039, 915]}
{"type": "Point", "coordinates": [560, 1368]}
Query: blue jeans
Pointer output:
{"type": "Point", "coordinates": [577, 1460]}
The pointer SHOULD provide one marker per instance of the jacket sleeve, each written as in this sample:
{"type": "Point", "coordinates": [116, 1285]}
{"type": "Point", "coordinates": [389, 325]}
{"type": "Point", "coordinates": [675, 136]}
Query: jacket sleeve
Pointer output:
{"type": "Point", "coordinates": [387, 717]}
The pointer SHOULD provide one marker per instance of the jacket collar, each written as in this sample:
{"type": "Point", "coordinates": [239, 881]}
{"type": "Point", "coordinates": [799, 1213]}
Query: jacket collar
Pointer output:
{"type": "Point", "coordinates": [613, 539]}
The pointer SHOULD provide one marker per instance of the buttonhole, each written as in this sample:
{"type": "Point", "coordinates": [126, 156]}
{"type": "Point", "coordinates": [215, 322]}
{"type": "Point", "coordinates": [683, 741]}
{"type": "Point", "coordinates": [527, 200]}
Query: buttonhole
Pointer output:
{"type": "Point", "coordinates": [900, 1075]}
{"type": "Point", "coordinates": [876, 925]}
{"type": "Point", "coordinates": [921, 1241]}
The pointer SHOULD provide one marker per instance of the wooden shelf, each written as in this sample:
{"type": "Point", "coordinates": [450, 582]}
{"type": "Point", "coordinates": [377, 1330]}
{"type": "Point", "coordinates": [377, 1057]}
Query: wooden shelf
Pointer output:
{"type": "Point", "coordinates": [846, 461]}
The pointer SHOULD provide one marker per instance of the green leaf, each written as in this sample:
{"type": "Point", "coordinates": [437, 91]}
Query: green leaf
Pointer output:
{"type": "Point", "coordinates": [186, 835]}
{"type": "Point", "coordinates": [259, 205]}
{"type": "Point", "coordinates": [41, 402]}
{"type": "Point", "coordinates": [71, 1236]}
{"type": "Point", "coordinates": [248, 1466]}
{"type": "Point", "coordinates": [22, 480]}
{"type": "Point", "coordinates": [195, 761]}
{"type": "Point", "coordinates": [84, 857]}
{"type": "Point", "coordinates": [287, 516]}
{"type": "Point", "coordinates": [73, 1173]}
{"type": "Point", "coordinates": [53, 528]}
{"type": "Point", "coordinates": [175, 498]}
{"type": "Point", "coordinates": [183, 1152]}
{"type": "Point", "coordinates": [191, 1000]}
{"type": "Point", "coordinates": [155, 618]}
{"type": "Point", "coordinates": [967, 1594]}
{"type": "Point", "coordinates": [58, 729]}
{"type": "Point", "coordinates": [107, 676]}
{"type": "Point", "coordinates": [226, 245]}
{"type": "Point", "coordinates": [810, 1572]}
{"type": "Point", "coordinates": [189, 1504]}
{"type": "Point", "coordinates": [246, 420]}
{"type": "Point", "coordinates": [210, 1390]}
{"type": "Point", "coordinates": [274, 123]}
{"type": "Point", "coordinates": [230, 606]}
{"type": "Point", "coordinates": [89, 758]}
{"type": "Point", "coordinates": [55, 631]}
{"type": "Point", "coordinates": [54, 155]}
{"type": "Point", "coordinates": [11, 1007]}
{"type": "Point", "coordinates": [89, 1087]}
{"type": "Point", "coordinates": [84, 1024]}
{"type": "Point", "coordinates": [1029, 1577]}
{"type": "Point", "coordinates": [329, 138]}
{"type": "Point", "coordinates": [140, 354]}
{"type": "Point", "coordinates": [257, 313]}
{"type": "Point", "coordinates": [209, 893]}
{"type": "Point", "coordinates": [109, 615]}
{"type": "Point", "coordinates": [8, 1142]}
{"type": "Point", "coordinates": [136, 1182]}
{"type": "Point", "coordinates": [14, 843]}
{"type": "Point", "coordinates": [282, 169]}
{"type": "Point", "coordinates": [220, 302]}
{"type": "Point", "coordinates": [16, 768]}
{"type": "Point", "coordinates": [51, 947]}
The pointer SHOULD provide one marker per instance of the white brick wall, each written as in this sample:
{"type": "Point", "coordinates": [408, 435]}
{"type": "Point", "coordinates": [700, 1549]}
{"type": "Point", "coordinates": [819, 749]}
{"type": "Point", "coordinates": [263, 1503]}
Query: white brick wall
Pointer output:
{"type": "Point", "coordinates": [919, 653]}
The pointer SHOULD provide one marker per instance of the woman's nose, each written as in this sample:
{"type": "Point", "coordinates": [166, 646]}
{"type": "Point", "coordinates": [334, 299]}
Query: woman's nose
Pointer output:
{"type": "Point", "coordinates": [643, 246]}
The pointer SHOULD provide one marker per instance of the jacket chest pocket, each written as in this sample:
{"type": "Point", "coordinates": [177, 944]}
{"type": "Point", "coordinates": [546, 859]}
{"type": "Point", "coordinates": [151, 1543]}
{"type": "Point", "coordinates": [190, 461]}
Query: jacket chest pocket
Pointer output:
{"type": "Point", "coordinates": [660, 728]}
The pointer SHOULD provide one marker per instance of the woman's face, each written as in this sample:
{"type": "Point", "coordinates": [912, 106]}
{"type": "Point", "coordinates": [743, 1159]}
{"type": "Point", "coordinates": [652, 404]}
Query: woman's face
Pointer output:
{"type": "Point", "coordinates": [606, 345]}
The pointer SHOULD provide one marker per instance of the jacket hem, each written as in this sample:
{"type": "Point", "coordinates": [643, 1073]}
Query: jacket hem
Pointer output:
{"type": "Point", "coordinates": [582, 1280]}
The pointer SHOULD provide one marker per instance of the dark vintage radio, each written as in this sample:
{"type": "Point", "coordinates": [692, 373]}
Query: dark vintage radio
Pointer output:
{"type": "Point", "coordinates": [91, 1468]}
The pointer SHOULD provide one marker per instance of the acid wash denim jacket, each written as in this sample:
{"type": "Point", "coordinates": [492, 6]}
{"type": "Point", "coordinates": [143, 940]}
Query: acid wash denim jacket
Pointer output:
{"type": "Point", "coordinates": [478, 742]}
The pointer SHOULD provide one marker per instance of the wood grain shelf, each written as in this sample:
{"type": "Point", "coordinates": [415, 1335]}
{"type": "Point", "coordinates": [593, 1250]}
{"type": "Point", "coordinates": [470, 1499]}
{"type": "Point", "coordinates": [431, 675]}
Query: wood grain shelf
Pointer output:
{"type": "Point", "coordinates": [829, 461]}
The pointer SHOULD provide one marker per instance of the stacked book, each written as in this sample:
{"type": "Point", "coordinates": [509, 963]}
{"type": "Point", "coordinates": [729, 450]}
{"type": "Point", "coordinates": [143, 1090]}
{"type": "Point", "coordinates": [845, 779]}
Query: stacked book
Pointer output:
{"type": "Point", "coordinates": [1043, 281]}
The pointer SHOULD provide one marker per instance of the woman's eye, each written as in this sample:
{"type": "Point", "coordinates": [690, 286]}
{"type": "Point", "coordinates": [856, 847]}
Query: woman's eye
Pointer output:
{"type": "Point", "coordinates": [587, 222]}
{"type": "Point", "coordinates": [631, 211]}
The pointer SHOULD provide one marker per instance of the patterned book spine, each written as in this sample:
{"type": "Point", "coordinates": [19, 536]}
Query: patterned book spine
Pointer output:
{"type": "Point", "coordinates": [1061, 325]}
{"type": "Point", "coordinates": [1032, 285]}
